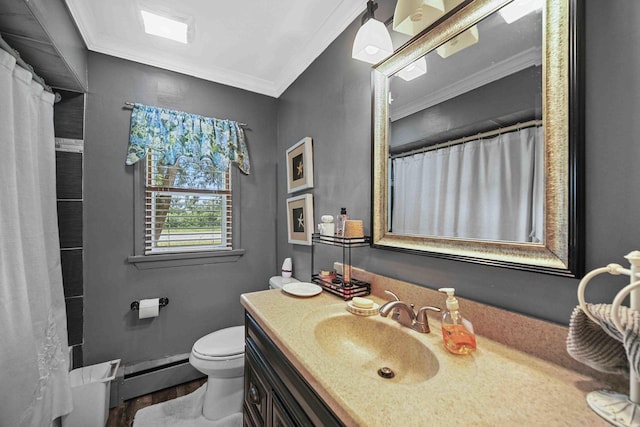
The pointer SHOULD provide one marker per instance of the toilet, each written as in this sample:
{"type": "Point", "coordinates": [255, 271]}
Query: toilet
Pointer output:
{"type": "Point", "coordinates": [277, 282]}
{"type": "Point", "coordinates": [220, 355]}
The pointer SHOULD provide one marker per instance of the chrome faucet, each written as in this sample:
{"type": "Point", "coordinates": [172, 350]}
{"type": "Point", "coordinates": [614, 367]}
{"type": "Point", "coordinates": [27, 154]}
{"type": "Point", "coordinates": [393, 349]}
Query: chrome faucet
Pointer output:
{"type": "Point", "coordinates": [396, 311]}
{"type": "Point", "coordinates": [407, 317]}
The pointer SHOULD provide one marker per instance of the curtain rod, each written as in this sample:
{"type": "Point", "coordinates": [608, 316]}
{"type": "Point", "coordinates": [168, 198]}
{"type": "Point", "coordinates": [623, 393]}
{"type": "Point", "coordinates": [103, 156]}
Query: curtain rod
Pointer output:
{"type": "Point", "coordinates": [129, 106]}
{"type": "Point", "coordinates": [11, 51]}
{"type": "Point", "coordinates": [498, 131]}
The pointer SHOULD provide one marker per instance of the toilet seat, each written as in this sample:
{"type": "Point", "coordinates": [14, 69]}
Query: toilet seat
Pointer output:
{"type": "Point", "coordinates": [223, 344]}
{"type": "Point", "coordinates": [217, 358]}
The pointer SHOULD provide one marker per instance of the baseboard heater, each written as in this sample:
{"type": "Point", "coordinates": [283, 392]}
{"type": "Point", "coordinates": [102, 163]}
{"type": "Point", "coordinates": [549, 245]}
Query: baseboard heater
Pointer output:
{"type": "Point", "coordinates": [147, 377]}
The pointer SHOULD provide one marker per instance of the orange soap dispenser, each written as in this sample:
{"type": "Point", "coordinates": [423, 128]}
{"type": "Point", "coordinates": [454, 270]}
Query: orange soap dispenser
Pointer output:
{"type": "Point", "coordinates": [457, 332]}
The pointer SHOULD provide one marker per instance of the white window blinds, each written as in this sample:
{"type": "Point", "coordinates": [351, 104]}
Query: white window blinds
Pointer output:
{"type": "Point", "coordinates": [187, 206]}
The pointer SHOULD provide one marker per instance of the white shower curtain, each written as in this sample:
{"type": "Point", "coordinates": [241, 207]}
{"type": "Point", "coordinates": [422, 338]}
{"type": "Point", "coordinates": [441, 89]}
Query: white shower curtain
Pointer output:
{"type": "Point", "coordinates": [34, 380]}
{"type": "Point", "coordinates": [488, 189]}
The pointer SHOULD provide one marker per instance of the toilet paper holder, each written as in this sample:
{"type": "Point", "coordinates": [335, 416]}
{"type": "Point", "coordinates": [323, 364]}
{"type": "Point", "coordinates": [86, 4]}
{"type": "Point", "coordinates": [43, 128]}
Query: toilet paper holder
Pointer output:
{"type": "Point", "coordinates": [136, 304]}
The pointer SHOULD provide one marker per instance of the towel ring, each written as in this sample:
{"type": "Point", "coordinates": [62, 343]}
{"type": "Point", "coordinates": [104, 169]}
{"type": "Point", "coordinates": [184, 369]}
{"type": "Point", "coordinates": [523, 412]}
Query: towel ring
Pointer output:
{"type": "Point", "coordinates": [614, 269]}
{"type": "Point", "coordinates": [617, 301]}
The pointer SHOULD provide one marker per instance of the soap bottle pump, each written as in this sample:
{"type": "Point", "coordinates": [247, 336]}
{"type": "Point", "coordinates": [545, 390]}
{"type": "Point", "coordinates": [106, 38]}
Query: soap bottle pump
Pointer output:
{"type": "Point", "coordinates": [457, 332]}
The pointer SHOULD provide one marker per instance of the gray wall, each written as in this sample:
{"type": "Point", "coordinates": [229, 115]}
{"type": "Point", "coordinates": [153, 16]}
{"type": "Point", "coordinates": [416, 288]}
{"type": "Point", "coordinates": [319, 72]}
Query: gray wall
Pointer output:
{"type": "Point", "coordinates": [516, 98]}
{"type": "Point", "coordinates": [202, 298]}
{"type": "Point", "coordinates": [331, 103]}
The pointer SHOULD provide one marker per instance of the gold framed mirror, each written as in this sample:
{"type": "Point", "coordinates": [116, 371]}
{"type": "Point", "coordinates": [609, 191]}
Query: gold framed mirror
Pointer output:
{"type": "Point", "coordinates": [533, 68]}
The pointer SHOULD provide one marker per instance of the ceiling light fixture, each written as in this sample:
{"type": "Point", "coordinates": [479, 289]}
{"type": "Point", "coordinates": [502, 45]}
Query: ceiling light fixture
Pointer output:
{"type": "Point", "coordinates": [162, 26]}
{"type": "Point", "coordinates": [373, 42]}
{"type": "Point", "coordinates": [414, 70]}
{"type": "Point", "coordinates": [518, 9]}
{"type": "Point", "coordinates": [413, 16]}
{"type": "Point", "coordinates": [459, 42]}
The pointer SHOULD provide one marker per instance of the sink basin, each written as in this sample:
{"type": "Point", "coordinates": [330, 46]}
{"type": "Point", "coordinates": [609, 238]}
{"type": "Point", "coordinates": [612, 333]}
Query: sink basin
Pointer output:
{"type": "Point", "coordinates": [367, 344]}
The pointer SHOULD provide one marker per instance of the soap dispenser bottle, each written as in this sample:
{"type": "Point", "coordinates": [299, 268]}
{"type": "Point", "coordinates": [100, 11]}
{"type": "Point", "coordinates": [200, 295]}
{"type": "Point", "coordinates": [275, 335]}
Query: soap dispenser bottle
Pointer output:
{"type": "Point", "coordinates": [457, 332]}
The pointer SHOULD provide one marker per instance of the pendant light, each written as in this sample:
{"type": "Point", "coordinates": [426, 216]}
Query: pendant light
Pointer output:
{"type": "Point", "coordinates": [459, 42]}
{"type": "Point", "coordinates": [373, 42]}
{"type": "Point", "coordinates": [518, 9]}
{"type": "Point", "coordinates": [414, 70]}
{"type": "Point", "coordinates": [413, 16]}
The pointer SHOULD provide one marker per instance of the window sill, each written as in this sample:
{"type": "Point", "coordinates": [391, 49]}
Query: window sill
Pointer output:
{"type": "Point", "coordinates": [145, 262]}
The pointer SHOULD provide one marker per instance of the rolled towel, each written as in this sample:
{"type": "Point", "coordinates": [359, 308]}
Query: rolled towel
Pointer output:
{"type": "Point", "coordinates": [630, 320]}
{"type": "Point", "coordinates": [596, 345]}
{"type": "Point", "coordinates": [631, 339]}
{"type": "Point", "coordinates": [602, 312]}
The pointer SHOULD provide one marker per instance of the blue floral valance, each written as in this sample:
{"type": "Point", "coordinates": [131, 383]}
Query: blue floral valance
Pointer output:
{"type": "Point", "coordinates": [175, 134]}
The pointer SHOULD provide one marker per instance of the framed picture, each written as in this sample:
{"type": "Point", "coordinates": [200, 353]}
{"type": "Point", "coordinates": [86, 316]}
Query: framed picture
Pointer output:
{"type": "Point", "coordinates": [300, 219]}
{"type": "Point", "coordinates": [300, 166]}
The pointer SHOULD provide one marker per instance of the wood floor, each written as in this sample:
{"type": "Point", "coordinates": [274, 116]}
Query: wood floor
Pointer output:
{"type": "Point", "coordinates": [122, 415]}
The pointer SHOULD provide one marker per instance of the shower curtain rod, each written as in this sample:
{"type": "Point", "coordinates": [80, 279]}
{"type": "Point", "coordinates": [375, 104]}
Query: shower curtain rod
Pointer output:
{"type": "Point", "coordinates": [5, 46]}
{"type": "Point", "coordinates": [498, 131]}
{"type": "Point", "coordinates": [129, 106]}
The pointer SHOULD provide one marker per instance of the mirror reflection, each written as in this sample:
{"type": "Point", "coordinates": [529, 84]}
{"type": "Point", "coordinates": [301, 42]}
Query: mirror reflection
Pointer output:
{"type": "Point", "coordinates": [466, 143]}
{"type": "Point", "coordinates": [476, 129]}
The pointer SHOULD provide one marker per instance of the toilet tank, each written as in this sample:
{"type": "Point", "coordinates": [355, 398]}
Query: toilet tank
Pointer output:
{"type": "Point", "coordinates": [276, 282]}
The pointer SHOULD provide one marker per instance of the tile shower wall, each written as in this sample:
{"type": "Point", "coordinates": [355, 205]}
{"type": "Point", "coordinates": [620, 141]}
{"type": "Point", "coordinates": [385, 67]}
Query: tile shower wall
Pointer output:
{"type": "Point", "coordinates": [69, 132]}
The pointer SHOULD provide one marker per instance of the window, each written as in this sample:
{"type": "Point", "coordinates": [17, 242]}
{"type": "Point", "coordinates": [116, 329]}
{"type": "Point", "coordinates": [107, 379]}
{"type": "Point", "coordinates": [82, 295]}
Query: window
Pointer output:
{"type": "Point", "coordinates": [188, 206]}
{"type": "Point", "coordinates": [182, 195]}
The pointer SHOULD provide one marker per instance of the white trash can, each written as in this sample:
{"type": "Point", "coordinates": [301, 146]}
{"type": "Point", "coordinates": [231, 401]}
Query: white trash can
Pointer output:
{"type": "Point", "coordinates": [90, 387]}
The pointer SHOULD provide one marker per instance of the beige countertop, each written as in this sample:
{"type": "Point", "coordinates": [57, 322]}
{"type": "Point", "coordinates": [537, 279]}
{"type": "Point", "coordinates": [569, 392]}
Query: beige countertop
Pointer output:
{"type": "Point", "coordinates": [495, 386]}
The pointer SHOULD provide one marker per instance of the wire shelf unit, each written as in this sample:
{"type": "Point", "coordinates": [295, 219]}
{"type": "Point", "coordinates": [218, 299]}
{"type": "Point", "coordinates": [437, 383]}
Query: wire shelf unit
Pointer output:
{"type": "Point", "coordinates": [344, 285]}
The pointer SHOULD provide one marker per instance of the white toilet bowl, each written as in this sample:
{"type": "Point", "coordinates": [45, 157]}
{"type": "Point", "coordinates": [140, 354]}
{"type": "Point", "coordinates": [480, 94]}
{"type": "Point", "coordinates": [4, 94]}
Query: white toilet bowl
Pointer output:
{"type": "Point", "coordinates": [220, 355]}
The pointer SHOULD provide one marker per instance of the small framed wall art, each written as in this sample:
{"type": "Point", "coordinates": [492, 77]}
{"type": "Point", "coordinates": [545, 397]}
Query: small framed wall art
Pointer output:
{"type": "Point", "coordinates": [300, 166]}
{"type": "Point", "coordinates": [300, 219]}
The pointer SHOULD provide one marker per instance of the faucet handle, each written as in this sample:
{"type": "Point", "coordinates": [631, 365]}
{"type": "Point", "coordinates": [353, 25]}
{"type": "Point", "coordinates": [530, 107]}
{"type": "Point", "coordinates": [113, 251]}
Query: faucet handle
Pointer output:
{"type": "Point", "coordinates": [422, 321]}
{"type": "Point", "coordinates": [423, 310]}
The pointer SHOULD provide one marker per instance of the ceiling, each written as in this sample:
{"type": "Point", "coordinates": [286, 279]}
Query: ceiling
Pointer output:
{"type": "Point", "coordinates": [43, 33]}
{"type": "Point", "coordinates": [258, 45]}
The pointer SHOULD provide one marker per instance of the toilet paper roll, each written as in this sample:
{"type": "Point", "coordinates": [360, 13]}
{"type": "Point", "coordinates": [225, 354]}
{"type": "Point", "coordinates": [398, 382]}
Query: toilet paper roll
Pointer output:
{"type": "Point", "coordinates": [149, 308]}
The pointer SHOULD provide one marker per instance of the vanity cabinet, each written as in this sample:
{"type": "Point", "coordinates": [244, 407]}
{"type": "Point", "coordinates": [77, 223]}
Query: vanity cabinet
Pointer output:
{"type": "Point", "coordinates": [275, 394]}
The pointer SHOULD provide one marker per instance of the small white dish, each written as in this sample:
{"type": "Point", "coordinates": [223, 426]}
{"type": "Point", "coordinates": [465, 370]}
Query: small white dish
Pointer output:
{"type": "Point", "coordinates": [351, 307]}
{"type": "Point", "coordinates": [302, 289]}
